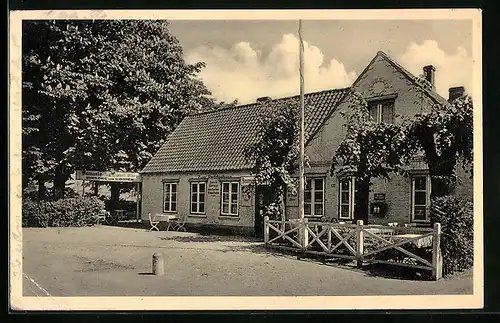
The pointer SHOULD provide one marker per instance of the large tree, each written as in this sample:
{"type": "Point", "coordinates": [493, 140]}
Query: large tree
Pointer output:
{"type": "Point", "coordinates": [102, 95]}
{"type": "Point", "coordinates": [275, 152]}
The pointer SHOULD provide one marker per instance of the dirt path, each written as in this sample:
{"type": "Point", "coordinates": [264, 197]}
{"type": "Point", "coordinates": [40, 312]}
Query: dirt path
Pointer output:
{"type": "Point", "coordinates": [112, 261]}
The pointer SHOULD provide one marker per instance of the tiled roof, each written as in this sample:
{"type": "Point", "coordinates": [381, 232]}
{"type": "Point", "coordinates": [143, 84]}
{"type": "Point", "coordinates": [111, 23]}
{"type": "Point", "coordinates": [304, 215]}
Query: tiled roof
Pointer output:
{"type": "Point", "coordinates": [216, 140]}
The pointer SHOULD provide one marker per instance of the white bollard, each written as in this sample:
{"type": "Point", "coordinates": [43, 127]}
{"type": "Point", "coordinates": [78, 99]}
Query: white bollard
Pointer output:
{"type": "Point", "coordinates": [158, 265]}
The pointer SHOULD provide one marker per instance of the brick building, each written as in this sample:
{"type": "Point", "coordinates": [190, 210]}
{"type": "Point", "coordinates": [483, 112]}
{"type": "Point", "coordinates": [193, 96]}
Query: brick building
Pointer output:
{"type": "Point", "coordinates": [200, 172]}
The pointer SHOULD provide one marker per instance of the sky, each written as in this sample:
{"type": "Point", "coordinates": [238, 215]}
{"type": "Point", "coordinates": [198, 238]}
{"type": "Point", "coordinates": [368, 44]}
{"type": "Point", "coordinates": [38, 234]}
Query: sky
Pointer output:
{"type": "Point", "coordinates": [248, 59]}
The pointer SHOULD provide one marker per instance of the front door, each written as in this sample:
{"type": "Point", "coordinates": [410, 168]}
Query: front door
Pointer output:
{"type": "Point", "coordinates": [361, 201]}
{"type": "Point", "coordinates": [262, 198]}
{"type": "Point", "coordinates": [259, 213]}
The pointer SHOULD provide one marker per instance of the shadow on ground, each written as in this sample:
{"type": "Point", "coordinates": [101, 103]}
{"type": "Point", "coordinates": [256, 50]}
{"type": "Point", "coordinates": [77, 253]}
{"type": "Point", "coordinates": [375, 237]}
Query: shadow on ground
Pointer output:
{"type": "Point", "coordinates": [372, 270]}
{"type": "Point", "coordinates": [129, 224]}
{"type": "Point", "coordinates": [201, 237]}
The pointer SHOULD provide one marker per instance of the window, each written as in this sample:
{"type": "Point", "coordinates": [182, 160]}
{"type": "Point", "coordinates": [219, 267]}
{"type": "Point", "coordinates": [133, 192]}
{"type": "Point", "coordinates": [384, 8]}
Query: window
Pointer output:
{"type": "Point", "coordinates": [382, 111]}
{"type": "Point", "coordinates": [230, 197]}
{"type": "Point", "coordinates": [170, 197]}
{"type": "Point", "coordinates": [198, 197]}
{"type": "Point", "coordinates": [420, 198]}
{"type": "Point", "coordinates": [346, 198]}
{"type": "Point", "coordinates": [314, 197]}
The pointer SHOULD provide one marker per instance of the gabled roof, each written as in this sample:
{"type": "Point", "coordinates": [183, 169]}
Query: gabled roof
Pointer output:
{"type": "Point", "coordinates": [431, 93]}
{"type": "Point", "coordinates": [215, 140]}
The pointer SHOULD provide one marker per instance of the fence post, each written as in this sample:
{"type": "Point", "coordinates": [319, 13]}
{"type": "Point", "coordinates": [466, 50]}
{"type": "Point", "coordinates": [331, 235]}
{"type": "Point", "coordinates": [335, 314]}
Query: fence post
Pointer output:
{"type": "Point", "coordinates": [359, 243]}
{"type": "Point", "coordinates": [266, 229]}
{"type": "Point", "coordinates": [329, 238]}
{"type": "Point", "coordinates": [437, 259]}
{"type": "Point", "coordinates": [305, 234]}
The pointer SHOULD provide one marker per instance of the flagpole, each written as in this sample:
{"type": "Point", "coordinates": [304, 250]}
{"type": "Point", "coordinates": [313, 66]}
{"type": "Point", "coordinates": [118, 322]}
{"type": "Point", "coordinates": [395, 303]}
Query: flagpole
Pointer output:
{"type": "Point", "coordinates": [301, 135]}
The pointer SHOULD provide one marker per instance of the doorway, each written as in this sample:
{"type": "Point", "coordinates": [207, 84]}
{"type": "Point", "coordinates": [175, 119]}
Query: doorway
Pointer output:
{"type": "Point", "coordinates": [262, 198]}
{"type": "Point", "coordinates": [361, 201]}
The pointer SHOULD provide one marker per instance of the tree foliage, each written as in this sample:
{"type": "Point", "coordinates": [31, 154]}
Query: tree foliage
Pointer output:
{"type": "Point", "coordinates": [275, 152]}
{"type": "Point", "coordinates": [101, 95]}
{"type": "Point", "coordinates": [443, 134]}
{"type": "Point", "coordinates": [370, 149]}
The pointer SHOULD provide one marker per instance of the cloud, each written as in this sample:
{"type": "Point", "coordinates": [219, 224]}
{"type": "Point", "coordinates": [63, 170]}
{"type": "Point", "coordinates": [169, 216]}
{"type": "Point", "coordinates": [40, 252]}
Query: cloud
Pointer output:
{"type": "Point", "coordinates": [452, 69]}
{"type": "Point", "coordinates": [244, 73]}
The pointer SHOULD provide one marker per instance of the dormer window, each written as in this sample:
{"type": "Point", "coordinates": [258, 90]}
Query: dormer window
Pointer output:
{"type": "Point", "coordinates": [382, 111]}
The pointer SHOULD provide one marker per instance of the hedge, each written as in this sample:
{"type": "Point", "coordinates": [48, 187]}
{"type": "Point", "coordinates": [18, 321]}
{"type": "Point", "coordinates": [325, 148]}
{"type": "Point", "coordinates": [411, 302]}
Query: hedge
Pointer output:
{"type": "Point", "coordinates": [456, 216]}
{"type": "Point", "coordinates": [67, 212]}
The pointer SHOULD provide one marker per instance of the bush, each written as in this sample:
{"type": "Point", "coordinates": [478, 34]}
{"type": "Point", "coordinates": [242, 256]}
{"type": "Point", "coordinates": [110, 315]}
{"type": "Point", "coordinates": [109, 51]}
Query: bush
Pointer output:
{"type": "Point", "coordinates": [457, 232]}
{"type": "Point", "coordinates": [67, 212]}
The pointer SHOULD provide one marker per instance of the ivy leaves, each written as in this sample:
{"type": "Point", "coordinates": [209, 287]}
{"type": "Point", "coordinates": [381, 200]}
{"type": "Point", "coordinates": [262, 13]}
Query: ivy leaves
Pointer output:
{"type": "Point", "coordinates": [276, 151]}
{"type": "Point", "coordinates": [443, 134]}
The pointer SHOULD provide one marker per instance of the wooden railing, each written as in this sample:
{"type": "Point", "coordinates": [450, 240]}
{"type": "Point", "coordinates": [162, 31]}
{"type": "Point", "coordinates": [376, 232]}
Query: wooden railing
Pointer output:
{"type": "Point", "coordinates": [402, 246]}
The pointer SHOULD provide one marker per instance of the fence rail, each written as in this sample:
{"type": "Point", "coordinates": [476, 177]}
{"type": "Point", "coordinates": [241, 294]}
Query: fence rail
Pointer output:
{"type": "Point", "coordinates": [401, 246]}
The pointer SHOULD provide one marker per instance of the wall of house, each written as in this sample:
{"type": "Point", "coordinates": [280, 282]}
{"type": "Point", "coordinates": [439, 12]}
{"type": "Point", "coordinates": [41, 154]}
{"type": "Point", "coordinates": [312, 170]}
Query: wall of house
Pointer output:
{"type": "Point", "coordinates": [152, 199]}
{"type": "Point", "coordinates": [380, 79]}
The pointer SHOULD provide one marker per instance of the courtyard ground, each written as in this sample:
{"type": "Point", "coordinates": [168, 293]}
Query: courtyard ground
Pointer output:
{"type": "Point", "coordinates": [116, 261]}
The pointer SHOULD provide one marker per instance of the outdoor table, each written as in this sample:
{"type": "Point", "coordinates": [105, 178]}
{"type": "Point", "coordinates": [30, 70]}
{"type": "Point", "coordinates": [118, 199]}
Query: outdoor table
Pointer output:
{"type": "Point", "coordinates": [380, 230]}
{"type": "Point", "coordinates": [424, 242]}
{"type": "Point", "coordinates": [166, 218]}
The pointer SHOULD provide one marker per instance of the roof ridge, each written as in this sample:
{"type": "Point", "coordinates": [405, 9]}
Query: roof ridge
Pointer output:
{"type": "Point", "coordinates": [276, 99]}
{"type": "Point", "coordinates": [412, 77]}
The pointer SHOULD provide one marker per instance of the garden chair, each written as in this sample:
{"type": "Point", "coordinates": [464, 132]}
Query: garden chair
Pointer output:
{"type": "Point", "coordinates": [101, 216]}
{"type": "Point", "coordinates": [153, 222]}
{"type": "Point", "coordinates": [179, 225]}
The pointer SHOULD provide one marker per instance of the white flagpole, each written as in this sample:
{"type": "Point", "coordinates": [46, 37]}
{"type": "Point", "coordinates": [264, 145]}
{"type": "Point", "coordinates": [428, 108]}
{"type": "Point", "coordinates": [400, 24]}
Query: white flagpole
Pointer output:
{"type": "Point", "coordinates": [301, 135]}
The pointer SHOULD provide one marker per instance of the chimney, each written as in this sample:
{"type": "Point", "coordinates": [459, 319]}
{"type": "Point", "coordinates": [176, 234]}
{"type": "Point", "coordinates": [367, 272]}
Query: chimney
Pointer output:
{"type": "Point", "coordinates": [264, 99]}
{"type": "Point", "coordinates": [455, 92]}
{"type": "Point", "coordinates": [430, 75]}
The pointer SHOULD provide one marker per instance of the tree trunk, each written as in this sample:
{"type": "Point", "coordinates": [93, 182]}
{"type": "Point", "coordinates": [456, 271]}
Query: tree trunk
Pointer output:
{"type": "Point", "coordinates": [115, 195]}
{"type": "Point", "coordinates": [60, 181]}
{"type": "Point", "coordinates": [96, 188]}
{"type": "Point", "coordinates": [442, 178]}
{"type": "Point", "coordinates": [41, 190]}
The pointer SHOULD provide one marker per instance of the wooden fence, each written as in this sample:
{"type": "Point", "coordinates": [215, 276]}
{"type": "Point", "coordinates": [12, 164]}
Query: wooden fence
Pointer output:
{"type": "Point", "coordinates": [401, 246]}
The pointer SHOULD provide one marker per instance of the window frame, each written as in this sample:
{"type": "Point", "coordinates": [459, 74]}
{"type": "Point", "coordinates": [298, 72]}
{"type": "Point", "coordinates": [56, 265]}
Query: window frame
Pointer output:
{"type": "Point", "coordinates": [170, 202]}
{"type": "Point", "coordinates": [230, 203]}
{"type": "Point", "coordinates": [351, 193]}
{"type": "Point", "coordinates": [313, 193]}
{"type": "Point", "coordinates": [379, 104]}
{"type": "Point", "coordinates": [197, 183]}
{"type": "Point", "coordinates": [427, 198]}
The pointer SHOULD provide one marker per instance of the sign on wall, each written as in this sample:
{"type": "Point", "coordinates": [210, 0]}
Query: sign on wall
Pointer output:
{"type": "Point", "coordinates": [91, 175]}
{"type": "Point", "coordinates": [247, 180]}
{"type": "Point", "coordinates": [213, 187]}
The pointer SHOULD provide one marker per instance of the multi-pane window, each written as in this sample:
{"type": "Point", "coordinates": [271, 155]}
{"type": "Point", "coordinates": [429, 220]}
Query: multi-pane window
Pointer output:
{"type": "Point", "coordinates": [420, 197]}
{"type": "Point", "coordinates": [198, 197]}
{"type": "Point", "coordinates": [346, 198]}
{"type": "Point", "coordinates": [169, 197]}
{"type": "Point", "coordinates": [230, 197]}
{"type": "Point", "coordinates": [382, 111]}
{"type": "Point", "coordinates": [314, 197]}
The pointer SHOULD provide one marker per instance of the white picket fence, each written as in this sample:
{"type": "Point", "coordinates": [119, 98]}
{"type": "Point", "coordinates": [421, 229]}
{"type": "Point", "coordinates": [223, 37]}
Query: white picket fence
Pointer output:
{"type": "Point", "coordinates": [409, 246]}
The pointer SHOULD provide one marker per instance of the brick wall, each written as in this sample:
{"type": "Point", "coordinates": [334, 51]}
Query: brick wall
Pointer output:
{"type": "Point", "coordinates": [381, 78]}
{"type": "Point", "coordinates": [152, 201]}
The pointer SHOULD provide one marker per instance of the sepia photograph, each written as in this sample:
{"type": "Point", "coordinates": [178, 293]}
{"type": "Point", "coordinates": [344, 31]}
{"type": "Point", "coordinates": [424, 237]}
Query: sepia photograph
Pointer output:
{"type": "Point", "coordinates": [182, 160]}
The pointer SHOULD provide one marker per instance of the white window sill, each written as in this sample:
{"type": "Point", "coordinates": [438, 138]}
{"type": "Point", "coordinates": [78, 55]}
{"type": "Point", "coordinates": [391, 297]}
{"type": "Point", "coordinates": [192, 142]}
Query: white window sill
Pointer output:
{"type": "Point", "coordinates": [233, 217]}
{"type": "Point", "coordinates": [194, 215]}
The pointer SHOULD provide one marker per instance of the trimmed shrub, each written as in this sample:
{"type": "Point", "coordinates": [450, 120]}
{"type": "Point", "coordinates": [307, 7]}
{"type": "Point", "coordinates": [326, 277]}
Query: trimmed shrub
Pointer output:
{"type": "Point", "coordinates": [67, 212]}
{"type": "Point", "coordinates": [456, 216]}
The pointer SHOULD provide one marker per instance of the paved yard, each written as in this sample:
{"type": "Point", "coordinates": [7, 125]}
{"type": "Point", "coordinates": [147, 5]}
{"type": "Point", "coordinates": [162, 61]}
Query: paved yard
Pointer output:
{"type": "Point", "coordinates": [115, 261]}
